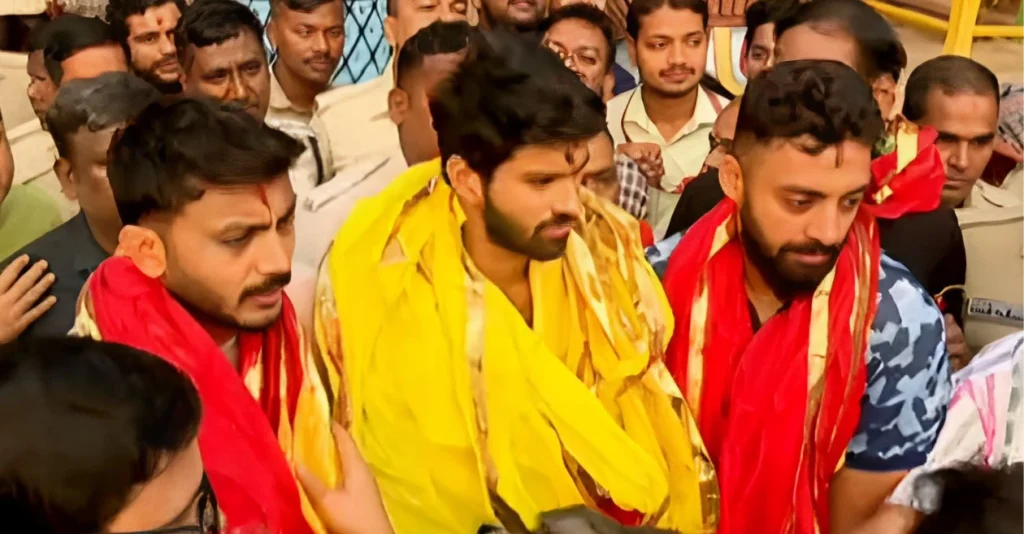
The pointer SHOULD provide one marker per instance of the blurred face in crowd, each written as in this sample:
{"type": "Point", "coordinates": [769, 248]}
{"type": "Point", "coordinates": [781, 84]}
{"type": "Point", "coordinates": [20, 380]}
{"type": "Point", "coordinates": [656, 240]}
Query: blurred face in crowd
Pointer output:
{"type": "Point", "coordinates": [805, 42]}
{"type": "Point", "coordinates": [229, 252]}
{"type": "Point", "coordinates": [168, 500]}
{"type": "Point", "coordinates": [600, 175]}
{"type": "Point", "coordinates": [722, 133]}
{"type": "Point", "coordinates": [151, 43]}
{"type": "Point", "coordinates": [521, 15]}
{"type": "Point", "coordinates": [410, 107]}
{"type": "Point", "coordinates": [760, 52]}
{"type": "Point", "coordinates": [309, 43]}
{"type": "Point", "coordinates": [671, 51]}
{"type": "Point", "coordinates": [796, 207]}
{"type": "Point", "coordinates": [232, 71]}
{"type": "Point", "coordinates": [41, 89]}
{"type": "Point", "coordinates": [94, 61]}
{"type": "Point", "coordinates": [83, 176]}
{"type": "Point", "coordinates": [967, 124]}
{"type": "Point", "coordinates": [412, 16]}
{"type": "Point", "coordinates": [584, 49]}
{"type": "Point", "coordinates": [531, 203]}
{"type": "Point", "coordinates": [599, 4]}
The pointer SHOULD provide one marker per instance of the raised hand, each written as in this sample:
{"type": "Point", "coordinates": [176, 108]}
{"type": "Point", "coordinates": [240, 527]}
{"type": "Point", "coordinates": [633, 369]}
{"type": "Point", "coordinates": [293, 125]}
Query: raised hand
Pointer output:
{"type": "Point", "coordinates": [20, 291]}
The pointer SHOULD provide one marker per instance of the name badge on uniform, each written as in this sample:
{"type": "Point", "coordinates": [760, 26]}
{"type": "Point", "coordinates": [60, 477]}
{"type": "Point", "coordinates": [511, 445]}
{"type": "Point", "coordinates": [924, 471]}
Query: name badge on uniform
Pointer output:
{"type": "Point", "coordinates": [995, 310]}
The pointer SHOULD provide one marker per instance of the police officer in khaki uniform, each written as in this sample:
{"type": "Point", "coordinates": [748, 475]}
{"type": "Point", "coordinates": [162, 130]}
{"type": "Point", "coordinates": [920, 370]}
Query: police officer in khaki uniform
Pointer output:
{"type": "Point", "coordinates": [353, 121]}
{"type": "Point", "coordinates": [960, 99]}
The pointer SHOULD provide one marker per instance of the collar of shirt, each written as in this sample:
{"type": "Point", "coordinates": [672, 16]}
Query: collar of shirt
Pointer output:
{"type": "Point", "coordinates": [88, 253]}
{"type": "Point", "coordinates": [642, 128]}
{"type": "Point", "coordinates": [987, 195]}
{"type": "Point", "coordinates": [281, 107]}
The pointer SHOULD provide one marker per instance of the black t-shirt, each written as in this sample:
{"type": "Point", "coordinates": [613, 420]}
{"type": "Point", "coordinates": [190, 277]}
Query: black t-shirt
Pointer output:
{"type": "Point", "coordinates": [929, 244]}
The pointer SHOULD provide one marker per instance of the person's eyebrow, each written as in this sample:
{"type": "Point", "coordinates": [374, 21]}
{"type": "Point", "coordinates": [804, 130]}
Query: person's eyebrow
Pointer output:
{"type": "Point", "coordinates": [798, 190]}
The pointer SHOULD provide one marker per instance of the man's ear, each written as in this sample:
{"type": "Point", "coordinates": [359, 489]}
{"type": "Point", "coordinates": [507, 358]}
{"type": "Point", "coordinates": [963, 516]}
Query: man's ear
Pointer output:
{"type": "Point", "coordinates": [390, 31]}
{"type": "Point", "coordinates": [145, 248]}
{"type": "Point", "coordinates": [730, 177]}
{"type": "Point", "coordinates": [608, 88]}
{"type": "Point", "coordinates": [398, 105]}
{"type": "Point", "coordinates": [465, 181]}
{"type": "Point", "coordinates": [271, 31]}
{"type": "Point", "coordinates": [62, 168]}
{"type": "Point", "coordinates": [884, 89]}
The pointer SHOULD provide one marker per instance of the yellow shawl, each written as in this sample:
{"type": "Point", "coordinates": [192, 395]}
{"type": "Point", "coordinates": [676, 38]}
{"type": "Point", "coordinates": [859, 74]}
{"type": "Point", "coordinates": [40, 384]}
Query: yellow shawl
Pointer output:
{"type": "Point", "coordinates": [452, 397]}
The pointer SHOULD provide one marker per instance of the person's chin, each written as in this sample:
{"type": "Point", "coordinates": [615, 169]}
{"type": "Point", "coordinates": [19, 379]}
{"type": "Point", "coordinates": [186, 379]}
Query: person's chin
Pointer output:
{"type": "Point", "coordinates": [259, 319]}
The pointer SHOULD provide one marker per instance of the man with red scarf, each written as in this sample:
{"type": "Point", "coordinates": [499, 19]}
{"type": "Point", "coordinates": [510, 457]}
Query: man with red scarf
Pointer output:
{"type": "Point", "coordinates": [815, 364]}
{"type": "Point", "coordinates": [197, 279]}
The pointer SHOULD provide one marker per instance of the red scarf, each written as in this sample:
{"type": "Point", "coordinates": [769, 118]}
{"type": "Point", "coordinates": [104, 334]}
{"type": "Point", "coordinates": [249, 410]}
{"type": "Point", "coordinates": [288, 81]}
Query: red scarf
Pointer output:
{"type": "Point", "coordinates": [774, 452]}
{"type": "Point", "coordinates": [241, 453]}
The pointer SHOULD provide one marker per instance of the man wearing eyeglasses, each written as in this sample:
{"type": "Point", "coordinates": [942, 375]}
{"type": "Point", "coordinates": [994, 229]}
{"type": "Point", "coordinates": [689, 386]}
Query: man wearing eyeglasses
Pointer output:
{"type": "Point", "coordinates": [582, 35]}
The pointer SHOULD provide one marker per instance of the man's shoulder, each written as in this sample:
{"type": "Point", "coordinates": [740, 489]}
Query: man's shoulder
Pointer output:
{"type": "Point", "coordinates": [368, 98]}
{"type": "Point", "coordinates": [617, 106]}
{"type": "Point", "coordinates": [906, 312]}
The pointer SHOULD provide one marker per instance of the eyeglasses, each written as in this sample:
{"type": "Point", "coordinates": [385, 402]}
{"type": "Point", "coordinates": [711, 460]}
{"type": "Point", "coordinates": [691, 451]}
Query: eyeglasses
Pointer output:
{"type": "Point", "coordinates": [207, 514]}
{"type": "Point", "coordinates": [574, 58]}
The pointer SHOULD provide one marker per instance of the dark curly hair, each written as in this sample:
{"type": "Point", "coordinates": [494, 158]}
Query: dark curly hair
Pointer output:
{"type": "Point", "coordinates": [879, 48]}
{"type": "Point", "coordinates": [825, 100]}
{"type": "Point", "coordinates": [163, 159]}
{"type": "Point", "coordinates": [118, 12]}
{"type": "Point", "coordinates": [211, 22]}
{"type": "Point", "coordinates": [639, 9]}
{"type": "Point", "coordinates": [510, 93]}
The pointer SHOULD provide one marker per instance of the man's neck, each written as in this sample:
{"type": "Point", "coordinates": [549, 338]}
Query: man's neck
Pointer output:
{"type": "Point", "coordinates": [104, 232]}
{"type": "Point", "coordinates": [504, 268]}
{"type": "Point", "coordinates": [669, 113]}
{"type": "Point", "coordinates": [300, 93]}
{"type": "Point", "coordinates": [225, 337]}
{"type": "Point", "coordinates": [760, 293]}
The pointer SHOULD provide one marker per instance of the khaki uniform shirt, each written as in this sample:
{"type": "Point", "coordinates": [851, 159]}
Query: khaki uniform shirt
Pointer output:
{"type": "Point", "coordinates": [992, 222]}
{"type": "Point", "coordinates": [683, 155]}
{"type": "Point", "coordinates": [282, 109]}
{"type": "Point", "coordinates": [320, 214]}
{"type": "Point", "coordinates": [34, 156]}
{"type": "Point", "coordinates": [352, 121]}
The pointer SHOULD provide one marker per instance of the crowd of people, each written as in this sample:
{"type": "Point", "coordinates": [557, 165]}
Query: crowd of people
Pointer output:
{"type": "Point", "coordinates": [522, 282]}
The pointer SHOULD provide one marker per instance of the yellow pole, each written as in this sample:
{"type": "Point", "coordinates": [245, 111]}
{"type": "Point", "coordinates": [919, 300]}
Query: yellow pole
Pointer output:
{"type": "Point", "coordinates": [907, 16]}
{"type": "Point", "coordinates": [960, 37]}
{"type": "Point", "coordinates": [1008, 32]}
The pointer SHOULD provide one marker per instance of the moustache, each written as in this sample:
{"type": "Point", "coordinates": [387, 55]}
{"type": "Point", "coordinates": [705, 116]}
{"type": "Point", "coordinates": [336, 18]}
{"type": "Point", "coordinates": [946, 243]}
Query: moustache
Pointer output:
{"type": "Point", "coordinates": [318, 58]}
{"type": "Point", "coordinates": [167, 61]}
{"type": "Point", "coordinates": [677, 70]}
{"type": "Point", "coordinates": [278, 281]}
{"type": "Point", "coordinates": [814, 247]}
{"type": "Point", "coordinates": [557, 220]}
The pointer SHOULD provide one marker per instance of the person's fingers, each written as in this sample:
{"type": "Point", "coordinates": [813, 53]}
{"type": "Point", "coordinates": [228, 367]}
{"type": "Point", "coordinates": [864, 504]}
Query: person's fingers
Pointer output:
{"type": "Point", "coordinates": [357, 473]}
{"type": "Point", "coordinates": [35, 313]}
{"type": "Point", "coordinates": [315, 489]}
{"type": "Point", "coordinates": [27, 280]}
{"type": "Point", "coordinates": [12, 271]}
{"type": "Point", "coordinates": [35, 293]}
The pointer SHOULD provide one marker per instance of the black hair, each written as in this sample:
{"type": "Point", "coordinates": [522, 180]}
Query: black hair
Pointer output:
{"type": "Point", "coordinates": [825, 100]}
{"type": "Point", "coordinates": [641, 8]}
{"type": "Point", "coordinates": [764, 12]}
{"type": "Point", "coordinates": [975, 500]}
{"type": "Point", "coordinates": [591, 15]}
{"type": "Point", "coordinates": [879, 48]}
{"type": "Point", "coordinates": [85, 422]}
{"type": "Point", "coordinates": [211, 22]}
{"type": "Point", "coordinates": [166, 156]}
{"type": "Point", "coordinates": [952, 75]}
{"type": "Point", "coordinates": [510, 93]}
{"type": "Point", "coordinates": [436, 39]}
{"type": "Point", "coordinates": [69, 34]}
{"type": "Point", "coordinates": [109, 100]}
{"type": "Point", "coordinates": [118, 12]}
{"type": "Point", "coordinates": [38, 37]}
{"type": "Point", "coordinates": [304, 6]}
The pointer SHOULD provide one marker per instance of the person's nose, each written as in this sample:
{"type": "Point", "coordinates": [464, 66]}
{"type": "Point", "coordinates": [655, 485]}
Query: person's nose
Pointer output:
{"type": "Point", "coordinates": [830, 227]}
{"type": "Point", "coordinates": [167, 45]}
{"type": "Point", "coordinates": [676, 56]}
{"type": "Point", "coordinates": [320, 44]}
{"type": "Point", "coordinates": [959, 159]}
{"type": "Point", "coordinates": [567, 200]}
{"type": "Point", "coordinates": [276, 257]}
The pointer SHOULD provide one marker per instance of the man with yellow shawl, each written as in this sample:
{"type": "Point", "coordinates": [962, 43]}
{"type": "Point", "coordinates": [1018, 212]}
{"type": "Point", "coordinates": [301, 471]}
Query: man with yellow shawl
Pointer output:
{"type": "Point", "coordinates": [499, 331]}
{"type": "Point", "coordinates": [197, 280]}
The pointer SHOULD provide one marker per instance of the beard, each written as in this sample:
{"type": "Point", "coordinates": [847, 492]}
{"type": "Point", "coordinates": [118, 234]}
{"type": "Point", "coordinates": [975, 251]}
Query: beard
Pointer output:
{"type": "Point", "coordinates": [207, 307]}
{"type": "Point", "coordinates": [782, 272]}
{"type": "Point", "coordinates": [505, 232]}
